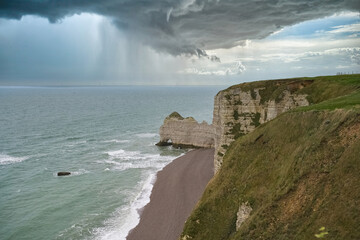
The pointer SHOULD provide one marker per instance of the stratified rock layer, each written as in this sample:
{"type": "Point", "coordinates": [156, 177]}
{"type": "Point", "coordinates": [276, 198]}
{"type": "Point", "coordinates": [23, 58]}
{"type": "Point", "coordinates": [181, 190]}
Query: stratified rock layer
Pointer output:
{"type": "Point", "coordinates": [186, 132]}
{"type": "Point", "coordinates": [239, 109]}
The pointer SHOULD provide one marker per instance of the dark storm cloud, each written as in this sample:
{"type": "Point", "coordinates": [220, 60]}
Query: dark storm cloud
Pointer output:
{"type": "Point", "coordinates": [187, 26]}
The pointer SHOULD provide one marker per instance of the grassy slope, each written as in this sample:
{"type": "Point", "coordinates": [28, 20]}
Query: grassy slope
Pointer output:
{"type": "Point", "coordinates": [322, 88]}
{"type": "Point", "coordinates": [299, 172]}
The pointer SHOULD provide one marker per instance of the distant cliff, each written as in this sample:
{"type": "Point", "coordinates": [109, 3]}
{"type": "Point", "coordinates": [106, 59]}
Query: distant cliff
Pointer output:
{"type": "Point", "coordinates": [185, 132]}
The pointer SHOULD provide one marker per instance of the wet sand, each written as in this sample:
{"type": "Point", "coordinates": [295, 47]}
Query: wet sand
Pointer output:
{"type": "Point", "coordinates": [177, 189]}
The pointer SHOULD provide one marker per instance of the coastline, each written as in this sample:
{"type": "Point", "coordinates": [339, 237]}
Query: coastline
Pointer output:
{"type": "Point", "coordinates": [177, 189]}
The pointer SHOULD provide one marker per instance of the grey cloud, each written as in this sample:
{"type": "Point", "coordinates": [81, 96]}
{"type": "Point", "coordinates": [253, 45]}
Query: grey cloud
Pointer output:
{"type": "Point", "coordinates": [340, 54]}
{"type": "Point", "coordinates": [228, 69]}
{"type": "Point", "coordinates": [186, 26]}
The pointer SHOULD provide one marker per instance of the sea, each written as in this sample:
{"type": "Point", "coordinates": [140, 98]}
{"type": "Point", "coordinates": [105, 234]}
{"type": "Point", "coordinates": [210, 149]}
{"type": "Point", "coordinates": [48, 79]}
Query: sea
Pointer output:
{"type": "Point", "coordinates": [104, 136]}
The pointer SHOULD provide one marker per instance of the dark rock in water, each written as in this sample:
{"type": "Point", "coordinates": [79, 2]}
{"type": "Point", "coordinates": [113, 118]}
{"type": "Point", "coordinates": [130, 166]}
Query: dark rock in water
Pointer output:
{"type": "Point", "coordinates": [63, 173]}
{"type": "Point", "coordinates": [163, 143]}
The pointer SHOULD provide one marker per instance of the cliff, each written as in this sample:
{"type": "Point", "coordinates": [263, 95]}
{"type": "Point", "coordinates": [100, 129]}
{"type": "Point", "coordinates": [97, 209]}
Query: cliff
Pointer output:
{"type": "Point", "coordinates": [239, 109]}
{"type": "Point", "coordinates": [290, 176]}
{"type": "Point", "coordinates": [185, 132]}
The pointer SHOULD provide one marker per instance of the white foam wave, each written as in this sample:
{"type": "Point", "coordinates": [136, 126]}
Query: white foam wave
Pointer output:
{"type": "Point", "coordinates": [124, 155]}
{"type": "Point", "coordinates": [125, 166]}
{"type": "Point", "coordinates": [116, 141]}
{"type": "Point", "coordinates": [7, 159]}
{"type": "Point", "coordinates": [79, 172]}
{"type": "Point", "coordinates": [127, 217]}
{"type": "Point", "coordinates": [123, 160]}
{"type": "Point", "coordinates": [147, 135]}
{"type": "Point", "coordinates": [118, 227]}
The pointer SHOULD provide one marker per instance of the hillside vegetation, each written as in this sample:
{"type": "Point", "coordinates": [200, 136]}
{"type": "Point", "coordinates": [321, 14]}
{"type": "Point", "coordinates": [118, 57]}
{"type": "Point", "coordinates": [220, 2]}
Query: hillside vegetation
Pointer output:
{"type": "Point", "coordinates": [298, 172]}
{"type": "Point", "coordinates": [318, 89]}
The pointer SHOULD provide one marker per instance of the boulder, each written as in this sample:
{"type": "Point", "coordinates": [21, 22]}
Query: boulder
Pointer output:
{"type": "Point", "coordinates": [63, 173]}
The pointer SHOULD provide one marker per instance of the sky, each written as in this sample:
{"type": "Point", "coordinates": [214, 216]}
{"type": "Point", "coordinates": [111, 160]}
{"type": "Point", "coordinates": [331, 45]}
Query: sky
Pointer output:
{"type": "Point", "coordinates": [175, 42]}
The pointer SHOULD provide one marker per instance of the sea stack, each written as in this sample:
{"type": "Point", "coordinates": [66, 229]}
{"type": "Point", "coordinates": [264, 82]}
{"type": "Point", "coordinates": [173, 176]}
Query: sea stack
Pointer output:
{"type": "Point", "coordinates": [186, 132]}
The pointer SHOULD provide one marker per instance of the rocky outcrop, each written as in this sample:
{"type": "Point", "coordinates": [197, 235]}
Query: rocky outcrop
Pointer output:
{"type": "Point", "coordinates": [239, 109]}
{"type": "Point", "coordinates": [243, 214]}
{"type": "Point", "coordinates": [186, 132]}
{"type": "Point", "coordinates": [63, 173]}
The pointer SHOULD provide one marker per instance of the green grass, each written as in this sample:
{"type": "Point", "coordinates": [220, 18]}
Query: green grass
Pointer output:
{"type": "Point", "coordinates": [345, 102]}
{"type": "Point", "coordinates": [236, 131]}
{"type": "Point", "coordinates": [320, 89]}
{"type": "Point", "coordinates": [256, 119]}
{"type": "Point", "coordinates": [175, 115]}
{"type": "Point", "coordinates": [299, 172]}
{"type": "Point", "coordinates": [236, 115]}
{"type": "Point", "coordinates": [328, 87]}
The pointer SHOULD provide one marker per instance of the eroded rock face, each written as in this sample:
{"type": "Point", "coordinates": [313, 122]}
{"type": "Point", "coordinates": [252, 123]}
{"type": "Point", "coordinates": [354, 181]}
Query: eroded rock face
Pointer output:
{"type": "Point", "coordinates": [186, 132]}
{"type": "Point", "coordinates": [242, 214]}
{"type": "Point", "coordinates": [238, 110]}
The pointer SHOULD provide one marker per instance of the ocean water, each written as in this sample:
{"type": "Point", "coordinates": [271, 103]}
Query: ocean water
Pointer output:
{"type": "Point", "coordinates": [104, 136]}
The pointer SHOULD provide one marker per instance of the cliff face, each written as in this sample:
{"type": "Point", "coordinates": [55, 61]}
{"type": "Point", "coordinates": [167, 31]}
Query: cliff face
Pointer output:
{"type": "Point", "coordinates": [238, 110]}
{"type": "Point", "coordinates": [186, 132]}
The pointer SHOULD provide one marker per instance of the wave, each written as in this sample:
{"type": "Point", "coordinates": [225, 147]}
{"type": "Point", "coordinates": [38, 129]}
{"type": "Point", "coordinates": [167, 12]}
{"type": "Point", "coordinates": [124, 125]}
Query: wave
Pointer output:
{"type": "Point", "coordinates": [7, 159]}
{"type": "Point", "coordinates": [123, 160]}
{"type": "Point", "coordinates": [122, 166]}
{"type": "Point", "coordinates": [152, 144]}
{"type": "Point", "coordinates": [79, 172]}
{"type": "Point", "coordinates": [127, 217]}
{"type": "Point", "coordinates": [75, 144]}
{"type": "Point", "coordinates": [119, 227]}
{"type": "Point", "coordinates": [147, 135]}
{"type": "Point", "coordinates": [116, 141]}
{"type": "Point", "coordinates": [124, 155]}
{"type": "Point", "coordinates": [73, 138]}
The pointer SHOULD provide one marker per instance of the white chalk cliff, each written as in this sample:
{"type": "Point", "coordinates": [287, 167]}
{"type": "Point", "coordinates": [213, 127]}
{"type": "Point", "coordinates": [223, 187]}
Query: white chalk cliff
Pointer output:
{"type": "Point", "coordinates": [186, 132]}
{"type": "Point", "coordinates": [238, 110]}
